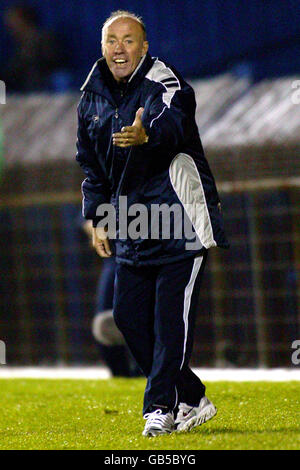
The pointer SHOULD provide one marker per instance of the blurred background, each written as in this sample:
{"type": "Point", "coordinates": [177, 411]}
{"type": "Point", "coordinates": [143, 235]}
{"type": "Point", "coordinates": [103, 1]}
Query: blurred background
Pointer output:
{"type": "Point", "coordinates": [243, 60]}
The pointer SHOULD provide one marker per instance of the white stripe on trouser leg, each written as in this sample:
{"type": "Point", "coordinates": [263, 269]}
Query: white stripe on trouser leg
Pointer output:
{"type": "Point", "coordinates": [187, 301]}
{"type": "Point", "coordinates": [176, 398]}
{"type": "Point", "coordinates": [188, 292]}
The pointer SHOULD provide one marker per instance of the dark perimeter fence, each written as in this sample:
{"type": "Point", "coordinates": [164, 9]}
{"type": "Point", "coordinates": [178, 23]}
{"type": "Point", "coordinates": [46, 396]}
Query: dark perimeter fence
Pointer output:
{"type": "Point", "coordinates": [248, 313]}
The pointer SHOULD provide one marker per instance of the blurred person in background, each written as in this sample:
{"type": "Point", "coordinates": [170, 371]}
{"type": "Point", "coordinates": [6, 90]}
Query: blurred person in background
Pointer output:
{"type": "Point", "coordinates": [137, 136]}
{"type": "Point", "coordinates": [39, 61]}
{"type": "Point", "coordinates": [112, 346]}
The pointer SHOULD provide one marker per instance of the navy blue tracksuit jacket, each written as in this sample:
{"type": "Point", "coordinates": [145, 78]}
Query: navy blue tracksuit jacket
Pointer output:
{"type": "Point", "coordinates": [157, 279]}
{"type": "Point", "coordinates": [169, 169]}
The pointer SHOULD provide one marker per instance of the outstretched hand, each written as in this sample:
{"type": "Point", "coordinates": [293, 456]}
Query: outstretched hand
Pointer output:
{"type": "Point", "coordinates": [132, 135]}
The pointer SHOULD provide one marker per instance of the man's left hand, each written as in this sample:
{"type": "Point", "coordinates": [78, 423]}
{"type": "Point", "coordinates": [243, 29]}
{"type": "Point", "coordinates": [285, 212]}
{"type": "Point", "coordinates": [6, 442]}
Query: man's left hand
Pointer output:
{"type": "Point", "coordinates": [132, 135]}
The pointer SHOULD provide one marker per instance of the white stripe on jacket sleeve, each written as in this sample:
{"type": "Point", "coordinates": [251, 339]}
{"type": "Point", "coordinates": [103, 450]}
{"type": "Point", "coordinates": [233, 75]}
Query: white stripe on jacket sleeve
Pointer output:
{"type": "Point", "coordinates": [187, 184]}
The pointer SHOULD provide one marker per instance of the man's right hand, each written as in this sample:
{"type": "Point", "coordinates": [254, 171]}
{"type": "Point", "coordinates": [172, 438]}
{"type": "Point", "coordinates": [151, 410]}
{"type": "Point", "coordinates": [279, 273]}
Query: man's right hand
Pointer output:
{"type": "Point", "coordinates": [132, 135]}
{"type": "Point", "coordinates": [101, 242]}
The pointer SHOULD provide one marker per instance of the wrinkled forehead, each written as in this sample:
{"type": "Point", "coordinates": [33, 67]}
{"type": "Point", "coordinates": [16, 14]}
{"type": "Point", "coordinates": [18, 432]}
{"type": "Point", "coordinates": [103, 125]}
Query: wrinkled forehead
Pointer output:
{"type": "Point", "coordinates": [123, 26]}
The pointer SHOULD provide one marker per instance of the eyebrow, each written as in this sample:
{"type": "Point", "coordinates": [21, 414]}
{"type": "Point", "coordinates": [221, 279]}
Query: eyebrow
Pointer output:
{"type": "Point", "coordinates": [113, 36]}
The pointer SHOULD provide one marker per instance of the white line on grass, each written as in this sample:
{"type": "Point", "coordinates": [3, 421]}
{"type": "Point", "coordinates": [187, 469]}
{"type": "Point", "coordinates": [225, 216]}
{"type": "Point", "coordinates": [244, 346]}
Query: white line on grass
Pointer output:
{"type": "Point", "coordinates": [212, 374]}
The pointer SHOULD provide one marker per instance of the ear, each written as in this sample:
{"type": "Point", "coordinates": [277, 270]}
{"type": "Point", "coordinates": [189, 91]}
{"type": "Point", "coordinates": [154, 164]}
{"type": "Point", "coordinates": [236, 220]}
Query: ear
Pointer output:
{"type": "Point", "coordinates": [145, 47]}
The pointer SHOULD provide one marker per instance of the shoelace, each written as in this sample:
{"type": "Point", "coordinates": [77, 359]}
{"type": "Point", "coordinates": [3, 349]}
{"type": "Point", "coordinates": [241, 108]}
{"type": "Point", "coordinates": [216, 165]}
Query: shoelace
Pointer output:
{"type": "Point", "coordinates": [157, 417]}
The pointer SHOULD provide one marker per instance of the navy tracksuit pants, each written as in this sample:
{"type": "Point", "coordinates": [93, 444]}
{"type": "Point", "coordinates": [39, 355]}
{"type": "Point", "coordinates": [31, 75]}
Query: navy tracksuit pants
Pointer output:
{"type": "Point", "coordinates": [155, 309]}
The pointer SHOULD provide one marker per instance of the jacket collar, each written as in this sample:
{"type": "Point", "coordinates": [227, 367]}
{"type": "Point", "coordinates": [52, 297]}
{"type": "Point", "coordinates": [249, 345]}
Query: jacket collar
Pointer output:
{"type": "Point", "coordinates": [97, 82]}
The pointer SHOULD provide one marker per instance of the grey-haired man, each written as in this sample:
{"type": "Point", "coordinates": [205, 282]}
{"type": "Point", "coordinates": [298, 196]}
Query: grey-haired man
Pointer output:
{"type": "Point", "coordinates": [137, 137]}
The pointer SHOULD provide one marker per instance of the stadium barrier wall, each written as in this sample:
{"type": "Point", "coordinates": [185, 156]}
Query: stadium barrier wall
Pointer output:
{"type": "Point", "coordinates": [248, 312]}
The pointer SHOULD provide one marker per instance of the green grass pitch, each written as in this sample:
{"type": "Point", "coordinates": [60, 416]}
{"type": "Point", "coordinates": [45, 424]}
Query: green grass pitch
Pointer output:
{"type": "Point", "coordinates": [106, 414]}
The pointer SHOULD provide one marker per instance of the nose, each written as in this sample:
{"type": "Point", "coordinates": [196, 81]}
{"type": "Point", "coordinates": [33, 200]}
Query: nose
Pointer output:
{"type": "Point", "coordinates": [119, 47]}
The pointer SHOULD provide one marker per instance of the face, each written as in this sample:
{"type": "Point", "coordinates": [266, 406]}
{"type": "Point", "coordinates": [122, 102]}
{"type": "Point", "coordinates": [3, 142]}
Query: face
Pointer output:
{"type": "Point", "coordinates": [123, 46]}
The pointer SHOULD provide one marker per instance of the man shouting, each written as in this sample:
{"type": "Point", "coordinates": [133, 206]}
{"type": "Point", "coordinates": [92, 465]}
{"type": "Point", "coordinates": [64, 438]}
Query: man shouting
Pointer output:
{"type": "Point", "coordinates": [137, 138]}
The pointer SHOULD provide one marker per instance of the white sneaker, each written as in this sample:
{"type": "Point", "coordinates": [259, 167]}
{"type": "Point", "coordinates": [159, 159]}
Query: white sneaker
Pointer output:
{"type": "Point", "coordinates": [159, 423]}
{"type": "Point", "coordinates": [190, 416]}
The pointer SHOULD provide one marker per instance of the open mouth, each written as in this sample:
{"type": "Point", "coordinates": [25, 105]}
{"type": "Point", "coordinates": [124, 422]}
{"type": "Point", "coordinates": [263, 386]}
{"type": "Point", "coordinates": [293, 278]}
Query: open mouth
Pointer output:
{"type": "Point", "coordinates": [120, 61]}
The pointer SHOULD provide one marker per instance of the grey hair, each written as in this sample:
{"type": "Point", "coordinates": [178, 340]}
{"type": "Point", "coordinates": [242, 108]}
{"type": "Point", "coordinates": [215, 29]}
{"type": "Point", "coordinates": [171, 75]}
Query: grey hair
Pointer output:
{"type": "Point", "coordinates": [123, 14]}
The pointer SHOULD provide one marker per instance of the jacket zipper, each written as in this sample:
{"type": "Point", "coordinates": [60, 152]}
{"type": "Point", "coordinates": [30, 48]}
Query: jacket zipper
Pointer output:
{"type": "Point", "coordinates": [118, 194]}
